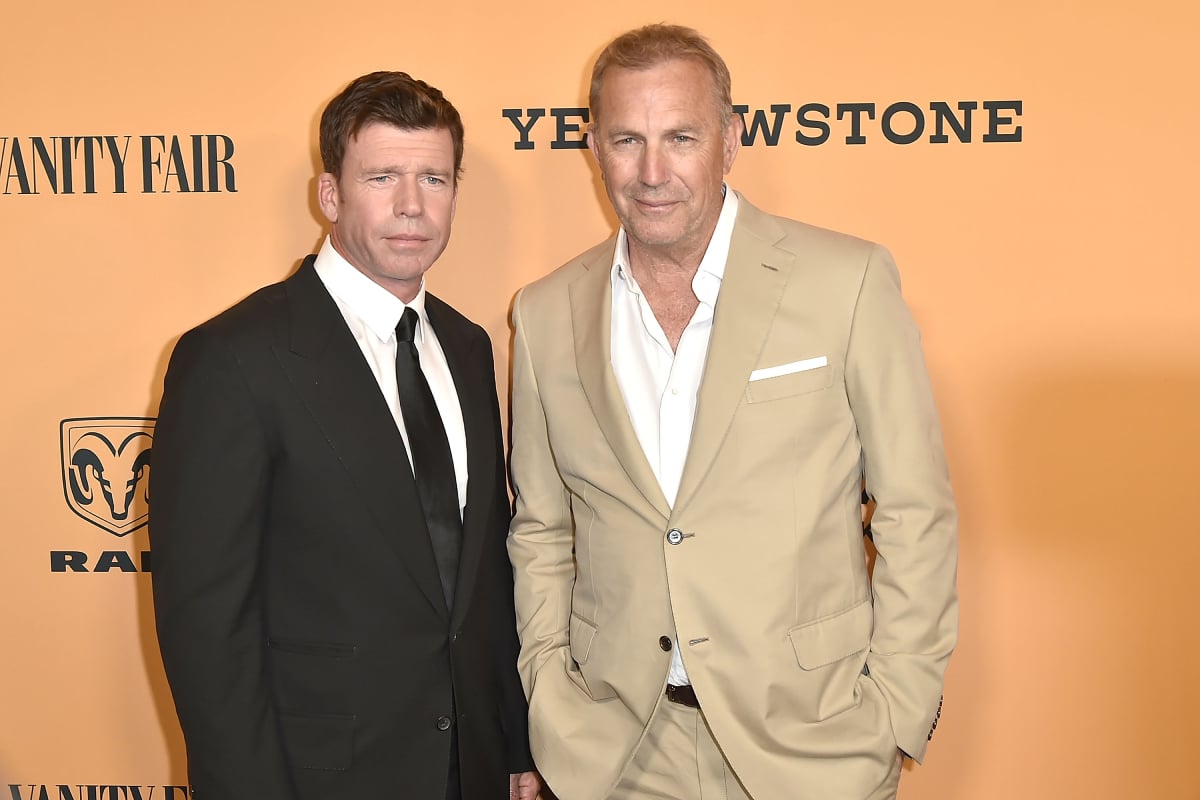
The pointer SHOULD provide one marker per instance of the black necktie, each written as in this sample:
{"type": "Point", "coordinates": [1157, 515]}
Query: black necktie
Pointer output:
{"type": "Point", "coordinates": [432, 462]}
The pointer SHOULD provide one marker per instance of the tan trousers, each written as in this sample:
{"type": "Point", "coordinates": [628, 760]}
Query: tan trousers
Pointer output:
{"type": "Point", "coordinates": [679, 760]}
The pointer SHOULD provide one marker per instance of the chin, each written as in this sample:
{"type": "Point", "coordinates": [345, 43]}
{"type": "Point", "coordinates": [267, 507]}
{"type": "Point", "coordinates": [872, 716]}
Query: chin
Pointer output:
{"type": "Point", "coordinates": [653, 237]}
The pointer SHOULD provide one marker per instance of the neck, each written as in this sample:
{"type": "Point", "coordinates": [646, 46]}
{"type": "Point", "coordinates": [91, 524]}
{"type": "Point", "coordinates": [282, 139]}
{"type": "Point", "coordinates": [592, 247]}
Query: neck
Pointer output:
{"type": "Point", "coordinates": [665, 265]}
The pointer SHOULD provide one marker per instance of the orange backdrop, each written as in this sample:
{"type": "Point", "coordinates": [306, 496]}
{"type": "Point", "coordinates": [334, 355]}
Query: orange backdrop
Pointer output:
{"type": "Point", "coordinates": [1054, 279]}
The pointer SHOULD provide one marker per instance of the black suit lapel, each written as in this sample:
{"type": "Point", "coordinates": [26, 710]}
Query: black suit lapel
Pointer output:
{"type": "Point", "coordinates": [473, 389]}
{"type": "Point", "coordinates": [329, 373]}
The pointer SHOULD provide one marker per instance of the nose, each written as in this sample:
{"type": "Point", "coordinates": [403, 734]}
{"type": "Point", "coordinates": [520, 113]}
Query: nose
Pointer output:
{"type": "Point", "coordinates": [408, 201]}
{"type": "Point", "coordinates": [652, 169]}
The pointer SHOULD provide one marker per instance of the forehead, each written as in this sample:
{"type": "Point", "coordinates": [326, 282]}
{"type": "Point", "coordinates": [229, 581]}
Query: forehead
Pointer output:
{"type": "Point", "coordinates": [673, 89]}
{"type": "Point", "coordinates": [380, 141]}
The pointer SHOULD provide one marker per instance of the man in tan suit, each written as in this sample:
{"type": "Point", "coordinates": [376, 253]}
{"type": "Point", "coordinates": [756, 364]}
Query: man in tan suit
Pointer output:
{"type": "Point", "coordinates": [696, 403]}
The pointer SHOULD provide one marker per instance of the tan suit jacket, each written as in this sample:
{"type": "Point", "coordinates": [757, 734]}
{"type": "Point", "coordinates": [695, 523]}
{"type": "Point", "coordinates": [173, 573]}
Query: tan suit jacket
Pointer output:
{"type": "Point", "coordinates": [810, 673]}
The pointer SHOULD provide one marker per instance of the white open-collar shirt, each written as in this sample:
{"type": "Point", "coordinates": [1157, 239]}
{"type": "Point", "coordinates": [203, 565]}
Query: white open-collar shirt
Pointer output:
{"type": "Point", "coordinates": [372, 313]}
{"type": "Point", "coordinates": [660, 385]}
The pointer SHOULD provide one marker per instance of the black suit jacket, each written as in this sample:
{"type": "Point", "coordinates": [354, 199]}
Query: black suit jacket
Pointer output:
{"type": "Point", "coordinates": [299, 612]}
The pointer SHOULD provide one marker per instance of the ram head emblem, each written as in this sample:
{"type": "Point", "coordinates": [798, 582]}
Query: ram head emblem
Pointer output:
{"type": "Point", "coordinates": [106, 471]}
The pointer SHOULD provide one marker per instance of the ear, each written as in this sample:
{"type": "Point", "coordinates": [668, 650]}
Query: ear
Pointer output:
{"type": "Point", "coordinates": [327, 196]}
{"type": "Point", "coordinates": [732, 140]}
{"type": "Point", "coordinates": [594, 147]}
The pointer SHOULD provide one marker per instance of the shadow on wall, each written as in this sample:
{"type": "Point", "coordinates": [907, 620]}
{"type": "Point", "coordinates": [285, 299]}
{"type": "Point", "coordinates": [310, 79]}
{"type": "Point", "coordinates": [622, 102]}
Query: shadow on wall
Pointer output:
{"type": "Point", "coordinates": [160, 692]}
{"type": "Point", "coordinates": [156, 679]}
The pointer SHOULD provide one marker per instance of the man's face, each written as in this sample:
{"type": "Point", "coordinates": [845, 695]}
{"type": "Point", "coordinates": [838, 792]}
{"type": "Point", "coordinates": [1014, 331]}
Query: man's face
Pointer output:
{"type": "Point", "coordinates": [664, 152]}
{"type": "Point", "coordinates": [393, 205]}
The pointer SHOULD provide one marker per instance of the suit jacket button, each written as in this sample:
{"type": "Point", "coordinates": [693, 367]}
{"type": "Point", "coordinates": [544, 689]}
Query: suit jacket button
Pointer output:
{"type": "Point", "coordinates": [665, 643]}
{"type": "Point", "coordinates": [674, 536]}
{"type": "Point", "coordinates": [443, 723]}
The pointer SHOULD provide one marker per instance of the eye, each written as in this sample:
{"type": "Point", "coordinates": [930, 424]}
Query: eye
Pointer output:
{"type": "Point", "coordinates": [434, 180]}
{"type": "Point", "coordinates": [681, 138]}
{"type": "Point", "coordinates": [379, 179]}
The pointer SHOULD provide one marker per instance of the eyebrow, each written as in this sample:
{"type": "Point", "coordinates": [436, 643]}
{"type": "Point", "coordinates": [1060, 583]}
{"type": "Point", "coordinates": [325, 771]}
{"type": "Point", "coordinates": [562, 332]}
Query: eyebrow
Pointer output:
{"type": "Point", "coordinates": [622, 132]}
{"type": "Point", "coordinates": [393, 169]}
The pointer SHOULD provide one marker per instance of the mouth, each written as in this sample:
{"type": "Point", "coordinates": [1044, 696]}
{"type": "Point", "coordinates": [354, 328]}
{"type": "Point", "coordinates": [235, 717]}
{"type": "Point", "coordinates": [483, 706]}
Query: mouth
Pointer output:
{"type": "Point", "coordinates": [406, 239]}
{"type": "Point", "coordinates": [656, 206]}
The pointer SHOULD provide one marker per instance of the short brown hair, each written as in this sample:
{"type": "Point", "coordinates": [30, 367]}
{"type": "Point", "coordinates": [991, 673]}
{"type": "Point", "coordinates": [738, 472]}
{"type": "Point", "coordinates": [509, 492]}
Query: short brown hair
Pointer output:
{"type": "Point", "coordinates": [655, 44]}
{"type": "Point", "coordinates": [393, 98]}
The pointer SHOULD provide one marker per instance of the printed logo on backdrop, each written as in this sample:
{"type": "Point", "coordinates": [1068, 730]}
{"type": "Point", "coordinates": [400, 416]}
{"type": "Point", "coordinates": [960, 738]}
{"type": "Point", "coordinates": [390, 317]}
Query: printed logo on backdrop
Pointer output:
{"type": "Point", "coordinates": [117, 164]}
{"type": "Point", "coordinates": [94, 791]}
{"type": "Point", "coordinates": [812, 124]}
{"type": "Point", "coordinates": [106, 483]}
{"type": "Point", "coordinates": [106, 470]}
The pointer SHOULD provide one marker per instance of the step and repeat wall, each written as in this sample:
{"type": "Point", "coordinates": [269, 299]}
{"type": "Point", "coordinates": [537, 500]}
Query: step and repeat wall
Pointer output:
{"type": "Point", "coordinates": [1031, 165]}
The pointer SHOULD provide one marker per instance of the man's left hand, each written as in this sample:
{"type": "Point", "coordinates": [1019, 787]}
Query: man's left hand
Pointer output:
{"type": "Point", "coordinates": [524, 786]}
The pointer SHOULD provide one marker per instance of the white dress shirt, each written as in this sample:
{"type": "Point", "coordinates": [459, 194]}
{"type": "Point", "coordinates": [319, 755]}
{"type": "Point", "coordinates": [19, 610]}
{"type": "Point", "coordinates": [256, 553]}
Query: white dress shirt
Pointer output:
{"type": "Point", "coordinates": [660, 385]}
{"type": "Point", "coordinates": [371, 313]}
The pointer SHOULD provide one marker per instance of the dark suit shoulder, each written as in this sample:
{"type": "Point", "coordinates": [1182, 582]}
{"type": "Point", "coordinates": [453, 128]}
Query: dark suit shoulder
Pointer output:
{"type": "Point", "coordinates": [248, 315]}
{"type": "Point", "coordinates": [446, 317]}
{"type": "Point", "coordinates": [445, 312]}
{"type": "Point", "coordinates": [262, 316]}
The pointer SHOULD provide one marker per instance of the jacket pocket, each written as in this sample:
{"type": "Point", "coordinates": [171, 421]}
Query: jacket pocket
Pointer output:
{"type": "Point", "coordinates": [830, 654]}
{"type": "Point", "coordinates": [317, 677]}
{"type": "Point", "coordinates": [818, 644]}
{"type": "Point", "coordinates": [318, 741]}
{"type": "Point", "coordinates": [582, 632]}
{"type": "Point", "coordinates": [587, 676]}
{"type": "Point", "coordinates": [795, 383]}
{"type": "Point", "coordinates": [310, 648]}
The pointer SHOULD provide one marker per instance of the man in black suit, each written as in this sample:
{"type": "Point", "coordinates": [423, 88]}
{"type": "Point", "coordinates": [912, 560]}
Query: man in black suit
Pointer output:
{"type": "Point", "coordinates": [333, 597]}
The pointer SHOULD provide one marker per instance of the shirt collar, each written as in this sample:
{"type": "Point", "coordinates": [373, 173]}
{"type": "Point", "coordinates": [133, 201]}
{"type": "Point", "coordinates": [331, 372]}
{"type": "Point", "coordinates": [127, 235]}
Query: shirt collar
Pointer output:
{"type": "Point", "coordinates": [712, 265]}
{"type": "Point", "coordinates": [378, 308]}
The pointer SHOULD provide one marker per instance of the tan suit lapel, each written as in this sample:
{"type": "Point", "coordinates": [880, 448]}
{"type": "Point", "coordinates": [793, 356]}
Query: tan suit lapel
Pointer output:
{"type": "Point", "coordinates": [591, 321]}
{"type": "Point", "coordinates": [755, 276]}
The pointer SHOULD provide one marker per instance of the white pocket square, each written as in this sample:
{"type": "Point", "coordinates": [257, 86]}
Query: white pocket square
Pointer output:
{"type": "Point", "coordinates": [788, 369]}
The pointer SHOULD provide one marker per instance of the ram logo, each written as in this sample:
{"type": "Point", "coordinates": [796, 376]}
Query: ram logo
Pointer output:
{"type": "Point", "coordinates": [106, 470]}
